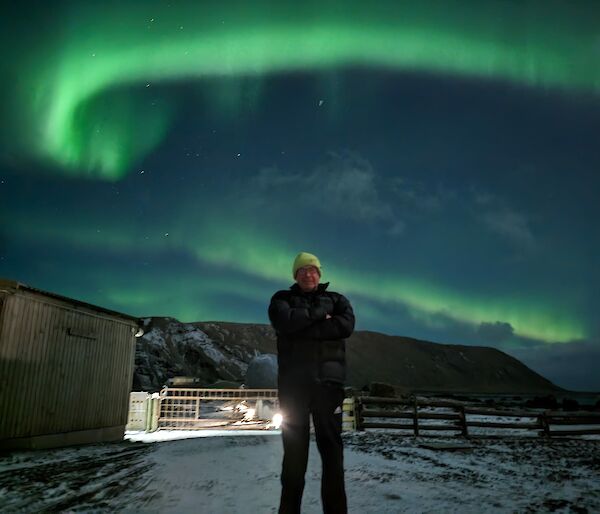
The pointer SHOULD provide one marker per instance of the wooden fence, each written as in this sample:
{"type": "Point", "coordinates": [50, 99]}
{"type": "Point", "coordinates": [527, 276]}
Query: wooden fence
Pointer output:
{"type": "Point", "coordinates": [420, 415]}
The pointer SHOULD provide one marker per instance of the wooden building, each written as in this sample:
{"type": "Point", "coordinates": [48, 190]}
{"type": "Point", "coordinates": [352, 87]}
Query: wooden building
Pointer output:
{"type": "Point", "coordinates": [66, 369]}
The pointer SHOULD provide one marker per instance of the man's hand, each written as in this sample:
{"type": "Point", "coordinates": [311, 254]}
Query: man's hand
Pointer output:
{"type": "Point", "coordinates": [327, 316]}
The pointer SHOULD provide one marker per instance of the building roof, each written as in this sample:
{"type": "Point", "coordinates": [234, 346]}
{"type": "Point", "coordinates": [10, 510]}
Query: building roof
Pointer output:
{"type": "Point", "coordinates": [12, 286]}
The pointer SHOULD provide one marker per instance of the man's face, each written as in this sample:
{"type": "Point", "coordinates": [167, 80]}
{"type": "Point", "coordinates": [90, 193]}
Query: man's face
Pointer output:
{"type": "Point", "coordinates": [307, 278]}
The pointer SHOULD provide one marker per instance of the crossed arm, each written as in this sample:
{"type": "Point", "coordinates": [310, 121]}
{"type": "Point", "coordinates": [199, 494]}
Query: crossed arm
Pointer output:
{"type": "Point", "coordinates": [312, 322]}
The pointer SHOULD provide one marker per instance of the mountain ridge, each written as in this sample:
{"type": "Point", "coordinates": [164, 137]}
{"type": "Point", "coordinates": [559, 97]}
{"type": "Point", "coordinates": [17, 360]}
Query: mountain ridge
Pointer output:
{"type": "Point", "coordinates": [213, 351]}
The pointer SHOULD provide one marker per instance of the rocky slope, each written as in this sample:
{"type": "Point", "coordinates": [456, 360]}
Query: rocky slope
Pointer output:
{"type": "Point", "coordinates": [170, 348]}
{"type": "Point", "coordinates": [213, 351]}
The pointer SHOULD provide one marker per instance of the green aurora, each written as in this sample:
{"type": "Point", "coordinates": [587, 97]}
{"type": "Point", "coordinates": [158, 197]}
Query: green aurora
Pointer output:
{"type": "Point", "coordinates": [76, 95]}
{"type": "Point", "coordinates": [248, 248]}
{"type": "Point", "coordinates": [96, 94]}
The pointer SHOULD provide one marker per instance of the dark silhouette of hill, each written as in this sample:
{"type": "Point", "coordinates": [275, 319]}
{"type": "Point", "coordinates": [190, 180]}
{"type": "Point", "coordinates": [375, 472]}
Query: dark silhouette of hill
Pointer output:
{"type": "Point", "coordinates": [408, 363]}
{"type": "Point", "coordinates": [219, 351]}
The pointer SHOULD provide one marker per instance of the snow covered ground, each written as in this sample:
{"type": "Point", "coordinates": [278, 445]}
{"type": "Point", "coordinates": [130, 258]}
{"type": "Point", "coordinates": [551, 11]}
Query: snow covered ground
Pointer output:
{"type": "Point", "coordinates": [238, 472]}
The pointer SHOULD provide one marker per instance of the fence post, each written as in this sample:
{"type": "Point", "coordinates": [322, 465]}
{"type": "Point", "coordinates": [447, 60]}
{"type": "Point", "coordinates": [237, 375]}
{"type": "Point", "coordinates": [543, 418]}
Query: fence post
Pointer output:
{"type": "Point", "coordinates": [149, 414]}
{"type": "Point", "coordinates": [416, 416]}
{"type": "Point", "coordinates": [138, 411]}
{"type": "Point", "coordinates": [358, 409]}
{"type": "Point", "coordinates": [149, 406]}
{"type": "Point", "coordinates": [153, 413]}
{"type": "Point", "coordinates": [348, 414]}
{"type": "Point", "coordinates": [463, 421]}
{"type": "Point", "coordinates": [543, 420]}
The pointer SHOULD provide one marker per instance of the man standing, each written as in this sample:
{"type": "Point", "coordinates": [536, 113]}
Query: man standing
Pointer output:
{"type": "Point", "coordinates": [311, 324]}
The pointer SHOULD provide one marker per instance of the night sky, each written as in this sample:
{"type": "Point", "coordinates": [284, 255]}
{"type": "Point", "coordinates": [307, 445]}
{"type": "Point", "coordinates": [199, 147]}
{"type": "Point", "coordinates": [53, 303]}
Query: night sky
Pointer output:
{"type": "Point", "coordinates": [441, 158]}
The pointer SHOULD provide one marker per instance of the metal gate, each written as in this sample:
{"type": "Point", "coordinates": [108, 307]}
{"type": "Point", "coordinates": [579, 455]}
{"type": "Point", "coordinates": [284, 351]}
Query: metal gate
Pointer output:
{"type": "Point", "coordinates": [188, 408]}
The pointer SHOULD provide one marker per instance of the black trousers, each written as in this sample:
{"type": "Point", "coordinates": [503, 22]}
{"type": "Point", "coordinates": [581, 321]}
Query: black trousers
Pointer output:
{"type": "Point", "coordinates": [324, 402]}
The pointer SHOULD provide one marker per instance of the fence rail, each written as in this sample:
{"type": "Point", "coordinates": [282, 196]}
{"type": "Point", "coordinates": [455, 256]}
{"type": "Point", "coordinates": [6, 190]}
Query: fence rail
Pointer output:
{"type": "Point", "coordinates": [374, 412]}
{"type": "Point", "coordinates": [186, 393]}
{"type": "Point", "coordinates": [177, 408]}
{"type": "Point", "coordinates": [180, 408]}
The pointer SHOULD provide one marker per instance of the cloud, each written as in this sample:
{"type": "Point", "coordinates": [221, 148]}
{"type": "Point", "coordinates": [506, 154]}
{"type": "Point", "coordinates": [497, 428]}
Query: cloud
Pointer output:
{"type": "Point", "coordinates": [397, 229]}
{"type": "Point", "coordinates": [570, 365]}
{"type": "Point", "coordinates": [272, 177]}
{"type": "Point", "coordinates": [502, 219]}
{"type": "Point", "coordinates": [347, 183]}
{"type": "Point", "coordinates": [421, 196]}
{"type": "Point", "coordinates": [493, 333]}
{"type": "Point", "coordinates": [347, 186]}
{"type": "Point", "coordinates": [416, 199]}
{"type": "Point", "coordinates": [344, 186]}
{"type": "Point", "coordinates": [510, 224]}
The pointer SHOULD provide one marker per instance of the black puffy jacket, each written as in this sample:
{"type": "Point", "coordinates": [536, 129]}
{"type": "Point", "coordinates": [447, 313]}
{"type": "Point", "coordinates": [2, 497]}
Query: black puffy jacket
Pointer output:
{"type": "Point", "coordinates": [309, 347]}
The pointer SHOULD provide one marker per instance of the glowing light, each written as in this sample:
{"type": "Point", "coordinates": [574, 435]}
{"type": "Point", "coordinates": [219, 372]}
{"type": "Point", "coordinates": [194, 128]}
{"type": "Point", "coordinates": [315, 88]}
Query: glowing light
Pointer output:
{"type": "Point", "coordinates": [277, 420]}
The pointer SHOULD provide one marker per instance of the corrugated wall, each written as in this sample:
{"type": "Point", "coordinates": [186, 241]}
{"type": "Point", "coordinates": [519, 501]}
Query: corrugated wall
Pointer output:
{"type": "Point", "coordinates": [62, 368]}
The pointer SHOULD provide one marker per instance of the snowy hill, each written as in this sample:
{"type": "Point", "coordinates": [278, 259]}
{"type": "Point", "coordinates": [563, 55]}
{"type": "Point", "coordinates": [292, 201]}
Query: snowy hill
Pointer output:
{"type": "Point", "coordinates": [214, 351]}
{"type": "Point", "coordinates": [170, 348]}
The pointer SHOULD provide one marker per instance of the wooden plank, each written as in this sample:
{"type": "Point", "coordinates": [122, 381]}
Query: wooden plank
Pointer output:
{"type": "Point", "coordinates": [498, 412]}
{"type": "Point", "coordinates": [108, 375]}
{"type": "Point", "coordinates": [29, 381]}
{"type": "Point", "coordinates": [446, 446]}
{"type": "Point", "coordinates": [439, 415]}
{"type": "Point", "coordinates": [43, 341]}
{"type": "Point", "coordinates": [574, 421]}
{"type": "Point", "coordinates": [403, 426]}
{"type": "Point", "coordinates": [13, 354]}
{"type": "Point", "coordinates": [420, 402]}
{"type": "Point", "coordinates": [561, 433]}
{"type": "Point", "coordinates": [440, 427]}
{"type": "Point", "coordinates": [451, 404]}
{"type": "Point", "coordinates": [573, 414]}
{"type": "Point", "coordinates": [4, 361]}
{"type": "Point", "coordinates": [69, 379]}
{"type": "Point", "coordinates": [130, 355]}
{"type": "Point", "coordinates": [490, 424]}
{"type": "Point", "coordinates": [40, 342]}
{"type": "Point", "coordinates": [118, 346]}
{"type": "Point", "coordinates": [372, 413]}
{"type": "Point", "coordinates": [381, 400]}
{"type": "Point", "coordinates": [407, 426]}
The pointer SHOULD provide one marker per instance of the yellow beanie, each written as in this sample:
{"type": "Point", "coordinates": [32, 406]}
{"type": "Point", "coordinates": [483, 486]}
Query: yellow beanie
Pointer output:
{"type": "Point", "coordinates": [306, 259]}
